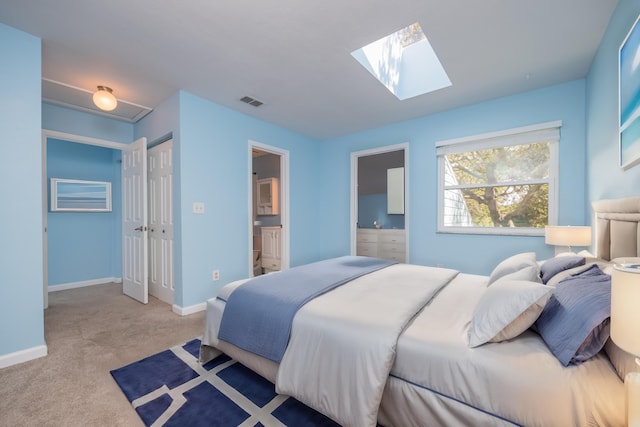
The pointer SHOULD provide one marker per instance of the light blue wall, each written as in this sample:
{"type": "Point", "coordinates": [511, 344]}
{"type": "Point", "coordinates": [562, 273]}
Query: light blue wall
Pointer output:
{"type": "Point", "coordinates": [212, 166]}
{"type": "Point", "coordinates": [21, 269]}
{"type": "Point", "coordinates": [84, 245]}
{"type": "Point", "coordinates": [469, 253]}
{"type": "Point", "coordinates": [605, 177]}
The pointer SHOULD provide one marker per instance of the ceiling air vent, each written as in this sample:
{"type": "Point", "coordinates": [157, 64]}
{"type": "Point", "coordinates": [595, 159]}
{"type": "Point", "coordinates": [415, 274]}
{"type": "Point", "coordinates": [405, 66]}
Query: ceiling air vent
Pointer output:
{"type": "Point", "coordinates": [251, 101]}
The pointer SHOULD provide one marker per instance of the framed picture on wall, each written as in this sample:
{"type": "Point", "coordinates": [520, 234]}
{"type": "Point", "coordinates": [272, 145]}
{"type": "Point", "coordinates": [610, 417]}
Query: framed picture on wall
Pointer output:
{"type": "Point", "coordinates": [629, 97]}
{"type": "Point", "coordinates": [72, 195]}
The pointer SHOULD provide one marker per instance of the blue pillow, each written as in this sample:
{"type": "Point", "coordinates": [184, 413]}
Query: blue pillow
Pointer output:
{"type": "Point", "coordinates": [575, 322]}
{"type": "Point", "coordinates": [559, 264]}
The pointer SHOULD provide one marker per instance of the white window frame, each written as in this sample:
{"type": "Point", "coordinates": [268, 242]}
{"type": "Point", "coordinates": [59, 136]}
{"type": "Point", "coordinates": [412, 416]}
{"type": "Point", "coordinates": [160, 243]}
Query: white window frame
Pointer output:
{"type": "Point", "coordinates": [549, 131]}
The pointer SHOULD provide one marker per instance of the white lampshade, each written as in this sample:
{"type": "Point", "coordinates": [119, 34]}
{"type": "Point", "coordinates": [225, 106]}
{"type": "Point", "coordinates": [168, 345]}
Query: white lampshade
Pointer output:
{"type": "Point", "coordinates": [567, 235]}
{"type": "Point", "coordinates": [104, 98]}
{"type": "Point", "coordinates": [625, 307]}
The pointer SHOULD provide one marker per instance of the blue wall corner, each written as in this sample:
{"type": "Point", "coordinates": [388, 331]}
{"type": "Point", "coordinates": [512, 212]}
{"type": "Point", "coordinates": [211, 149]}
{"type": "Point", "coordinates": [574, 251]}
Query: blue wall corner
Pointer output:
{"type": "Point", "coordinates": [21, 264]}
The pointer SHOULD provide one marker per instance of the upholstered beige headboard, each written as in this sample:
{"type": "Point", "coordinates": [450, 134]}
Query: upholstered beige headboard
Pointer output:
{"type": "Point", "coordinates": [617, 228]}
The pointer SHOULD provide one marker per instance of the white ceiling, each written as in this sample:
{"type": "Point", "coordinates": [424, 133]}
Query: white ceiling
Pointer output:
{"type": "Point", "coordinates": [295, 55]}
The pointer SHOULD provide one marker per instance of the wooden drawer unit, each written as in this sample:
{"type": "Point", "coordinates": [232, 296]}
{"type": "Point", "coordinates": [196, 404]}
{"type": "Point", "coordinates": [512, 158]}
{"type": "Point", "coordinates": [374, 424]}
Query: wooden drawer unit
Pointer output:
{"type": "Point", "coordinates": [382, 243]}
{"type": "Point", "coordinates": [367, 249]}
{"type": "Point", "coordinates": [392, 236]}
{"type": "Point", "coordinates": [367, 235]}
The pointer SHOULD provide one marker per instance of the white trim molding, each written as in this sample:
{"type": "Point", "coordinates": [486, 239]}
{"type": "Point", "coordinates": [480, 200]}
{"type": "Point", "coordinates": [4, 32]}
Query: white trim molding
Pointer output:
{"type": "Point", "coordinates": [84, 283]}
{"type": "Point", "coordinates": [185, 311]}
{"type": "Point", "coordinates": [22, 356]}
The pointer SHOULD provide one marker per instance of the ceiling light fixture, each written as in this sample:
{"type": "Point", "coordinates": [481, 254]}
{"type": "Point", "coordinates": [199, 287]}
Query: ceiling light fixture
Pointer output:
{"type": "Point", "coordinates": [104, 98]}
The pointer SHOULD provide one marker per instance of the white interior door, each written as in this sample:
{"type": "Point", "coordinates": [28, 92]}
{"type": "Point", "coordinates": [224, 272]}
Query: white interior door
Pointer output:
{"type": "Point", "coordinates": [135, 260]}
{"type": "Point", "coordinates": [160, 181]}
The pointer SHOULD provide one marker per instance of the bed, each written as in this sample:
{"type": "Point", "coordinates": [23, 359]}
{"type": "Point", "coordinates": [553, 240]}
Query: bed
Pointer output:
{"type": "Point", "coordinates": [409, 345]}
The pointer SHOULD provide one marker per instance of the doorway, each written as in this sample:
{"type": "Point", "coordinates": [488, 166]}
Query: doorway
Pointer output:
{"type": "Point", "coordinates": [268, 227]}
{"type": "Point", "coordinates": [135, 260]}
{"type": "Point", "coordinates": [380, 202]}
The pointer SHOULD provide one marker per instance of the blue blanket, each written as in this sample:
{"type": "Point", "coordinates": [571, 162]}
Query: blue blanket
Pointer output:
{"type": "Point", "coordinates": [258, 315]}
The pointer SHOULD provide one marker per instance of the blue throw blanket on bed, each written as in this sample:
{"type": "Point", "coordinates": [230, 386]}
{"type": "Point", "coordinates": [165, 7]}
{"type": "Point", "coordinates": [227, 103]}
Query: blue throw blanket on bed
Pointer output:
{"type": "Point", "coordinates": [258, 315]}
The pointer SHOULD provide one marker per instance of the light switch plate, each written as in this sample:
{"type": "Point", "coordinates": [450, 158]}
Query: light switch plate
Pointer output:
{"type": "Point", "coordinates": [198, 207]}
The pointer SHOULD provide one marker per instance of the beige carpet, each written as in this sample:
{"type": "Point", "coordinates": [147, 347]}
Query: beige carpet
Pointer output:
{"type": "Point", "coordinates": [89, 331]}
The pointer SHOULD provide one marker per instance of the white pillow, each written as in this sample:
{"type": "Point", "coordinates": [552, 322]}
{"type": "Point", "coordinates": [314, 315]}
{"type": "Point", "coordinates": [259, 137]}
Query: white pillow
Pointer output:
{"type": "Point", "coordinates": [513, 264]}
{"type": "Point", "coordinates": [530, 274]}
{"type": "Point", "coordinates": [507, 309]}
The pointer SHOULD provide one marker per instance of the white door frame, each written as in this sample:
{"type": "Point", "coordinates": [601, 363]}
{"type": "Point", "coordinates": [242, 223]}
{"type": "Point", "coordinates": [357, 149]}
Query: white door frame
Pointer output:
{"type": "Point", "coordinates": [46, 134]}
{"type": "Point", "coordinates": [284, 201]}
{"type": "Point", "coordinates": [354, 189]}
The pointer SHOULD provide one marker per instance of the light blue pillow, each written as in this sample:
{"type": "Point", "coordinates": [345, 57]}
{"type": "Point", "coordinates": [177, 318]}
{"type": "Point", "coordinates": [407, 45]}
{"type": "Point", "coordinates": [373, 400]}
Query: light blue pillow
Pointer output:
{"type": "Point", "coordinates": [575, 322]}
{"type": "Point", "coordinates": [513, 264]}
{"type": "Point", "coordinates": [559, 264]}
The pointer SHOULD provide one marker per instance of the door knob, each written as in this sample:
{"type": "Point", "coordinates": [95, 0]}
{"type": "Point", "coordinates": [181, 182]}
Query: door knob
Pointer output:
{"type": "Point", "coordinates": [141, 228]}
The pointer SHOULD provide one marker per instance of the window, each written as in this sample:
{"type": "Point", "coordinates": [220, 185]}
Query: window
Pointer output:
{"type": "Point", "coordinates": [404, 62]}
{"type": "Point", "coordinates": [499, 183]}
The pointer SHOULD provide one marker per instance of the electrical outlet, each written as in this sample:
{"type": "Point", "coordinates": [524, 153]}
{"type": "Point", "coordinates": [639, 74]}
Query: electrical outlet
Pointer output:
{"type": "Point", "coordinates": [216, 275]}
{"type": "Point", "coordinates": [198, 208]}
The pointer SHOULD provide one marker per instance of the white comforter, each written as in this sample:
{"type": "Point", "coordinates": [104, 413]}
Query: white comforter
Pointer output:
{"type": "Point", "coordinates": [516, 382]}
{"type": "Point", "coordinates": [435, 378]}
{"type": "Point", "coordinates": [343, 343]}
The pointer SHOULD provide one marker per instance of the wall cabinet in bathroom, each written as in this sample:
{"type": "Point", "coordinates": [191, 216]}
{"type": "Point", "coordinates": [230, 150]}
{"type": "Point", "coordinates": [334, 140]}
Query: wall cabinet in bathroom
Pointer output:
{"type": "Point", "coordinates": [395, 191]}
{"type": "Point", "coordinates": [268, 196]}
{"type": "Point", "coordinates": [271, 248]}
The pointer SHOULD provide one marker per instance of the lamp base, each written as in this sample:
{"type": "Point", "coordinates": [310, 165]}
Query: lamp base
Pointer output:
{"type": "Point", "coordinates": [564, 250]}
{"type": "Point", "coordinates": [632, 392]}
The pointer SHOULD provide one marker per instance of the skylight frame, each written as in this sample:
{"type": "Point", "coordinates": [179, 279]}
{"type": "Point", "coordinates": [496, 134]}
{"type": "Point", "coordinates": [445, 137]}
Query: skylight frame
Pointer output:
{"type": "Point", "coordinates": [404, 62]}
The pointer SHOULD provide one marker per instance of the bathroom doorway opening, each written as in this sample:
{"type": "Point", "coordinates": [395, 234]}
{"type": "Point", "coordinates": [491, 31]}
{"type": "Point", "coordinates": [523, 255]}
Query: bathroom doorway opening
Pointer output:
{"type": "Point", "coordinates": [268, 209]}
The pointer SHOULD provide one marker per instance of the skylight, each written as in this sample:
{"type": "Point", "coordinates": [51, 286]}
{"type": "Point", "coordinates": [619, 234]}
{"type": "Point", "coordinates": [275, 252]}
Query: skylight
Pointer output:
{"type": "Point", "coordinates": [404, 62]}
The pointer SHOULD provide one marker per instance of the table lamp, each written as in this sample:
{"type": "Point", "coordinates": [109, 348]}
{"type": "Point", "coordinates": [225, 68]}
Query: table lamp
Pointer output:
{"type": "Point", "coordinates": [566, 236]}
{"type": "Point", "coordinates": [625, 329]}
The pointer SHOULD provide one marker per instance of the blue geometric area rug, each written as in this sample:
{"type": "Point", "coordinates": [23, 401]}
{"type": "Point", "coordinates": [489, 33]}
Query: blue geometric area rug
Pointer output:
{"type": "Point", "coordinates": [172, 388]}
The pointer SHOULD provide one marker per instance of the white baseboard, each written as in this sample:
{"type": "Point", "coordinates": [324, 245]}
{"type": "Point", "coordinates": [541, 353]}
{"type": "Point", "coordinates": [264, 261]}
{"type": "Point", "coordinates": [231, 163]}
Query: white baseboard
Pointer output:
{"type": "Point", "coordinates": [82, 284]}
{"type": "Point", "coordinates": [22, 356]}
{"type": "Point", "coordinates": [185, 311]}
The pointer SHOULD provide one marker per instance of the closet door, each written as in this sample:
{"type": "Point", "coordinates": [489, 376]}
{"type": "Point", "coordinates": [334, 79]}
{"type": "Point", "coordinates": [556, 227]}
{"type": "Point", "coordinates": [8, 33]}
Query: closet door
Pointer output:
{"type": "Point", "coordinates": [134, 221]}
{"type": "Point", "coordinates": [160, 179]}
